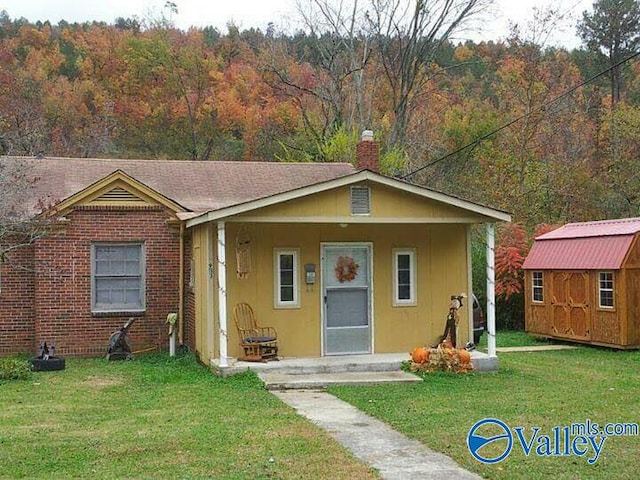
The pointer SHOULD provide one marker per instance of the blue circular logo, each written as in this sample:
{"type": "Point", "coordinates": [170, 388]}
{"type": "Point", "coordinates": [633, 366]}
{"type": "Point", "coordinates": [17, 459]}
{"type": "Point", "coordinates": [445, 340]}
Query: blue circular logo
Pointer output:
{"type": "Point", "coordinates": [476, 441]}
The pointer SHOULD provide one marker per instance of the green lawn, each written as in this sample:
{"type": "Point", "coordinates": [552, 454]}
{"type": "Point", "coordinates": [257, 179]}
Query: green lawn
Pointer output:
{"type": "Point", "coordinates": [539, 389]}
{"type": "Point", "coordinates": [157, 417]}
{"type": "Point", "coordinates": [512, 338]}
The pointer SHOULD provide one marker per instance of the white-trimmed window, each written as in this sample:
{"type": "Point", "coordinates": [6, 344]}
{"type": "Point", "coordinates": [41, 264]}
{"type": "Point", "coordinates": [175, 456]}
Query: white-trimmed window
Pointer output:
{"type": "Point", "coordinates": [404, 276]}
{"type": "Point", "coordinates": [605, 290]}
{"type": "Point", "coordinates": [117, 277]}
{"type": "Point", "coordinates": [537, 287]}
{"type": "Point", "coordinates": [286, 278]}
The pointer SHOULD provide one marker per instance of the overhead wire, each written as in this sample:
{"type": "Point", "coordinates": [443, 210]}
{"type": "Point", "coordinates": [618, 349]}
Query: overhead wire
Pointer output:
{"type": "Point", "coordinates": [541, 107]}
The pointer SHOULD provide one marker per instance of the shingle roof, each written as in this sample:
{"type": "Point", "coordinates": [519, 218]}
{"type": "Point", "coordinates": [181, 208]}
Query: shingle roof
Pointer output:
{"type": "Point", "coordinates": [198, 186]}
{"type": "Point", "coordinates": [589, 245]}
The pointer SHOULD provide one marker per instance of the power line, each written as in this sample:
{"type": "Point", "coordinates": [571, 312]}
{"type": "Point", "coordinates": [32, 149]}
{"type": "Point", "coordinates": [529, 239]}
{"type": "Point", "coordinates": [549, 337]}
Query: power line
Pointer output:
{"type": "Point", "coordinates": [544, 106]}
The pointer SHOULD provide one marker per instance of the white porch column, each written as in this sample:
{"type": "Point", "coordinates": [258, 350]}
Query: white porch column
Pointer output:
{"type": "Point", "coordinates": [222, 293]}
{"type": "Point", "coordinates": [491, 291]}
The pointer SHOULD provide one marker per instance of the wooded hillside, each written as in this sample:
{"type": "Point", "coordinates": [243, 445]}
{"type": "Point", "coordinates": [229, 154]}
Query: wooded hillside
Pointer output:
{"type": "Point", "coordinates": [124, 90]}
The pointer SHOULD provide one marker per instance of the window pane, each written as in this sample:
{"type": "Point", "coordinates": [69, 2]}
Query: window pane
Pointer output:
{"type": "Point", "coordinates": [103, 267]}
{"type": "Point", "coordinates": [286, 262]}
{"type": "Point", "coordinates": [132, 267]}
{"type": "Point", "coordinates": [132, 253]}
{"type": "Point", "coordinates": [404, 262]}
{"type": "Point", "coordinates": [404, 292]}
{"type": "Point", "coordinates": [286, 294]}
{"type": "Point", "coordinates": [286, 277]}
{"type": "Point", "coordinates": [404, 277]}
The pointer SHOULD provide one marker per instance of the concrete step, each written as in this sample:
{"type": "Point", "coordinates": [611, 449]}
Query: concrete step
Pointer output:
{"type": "Point", "coordinates": [286, 381]}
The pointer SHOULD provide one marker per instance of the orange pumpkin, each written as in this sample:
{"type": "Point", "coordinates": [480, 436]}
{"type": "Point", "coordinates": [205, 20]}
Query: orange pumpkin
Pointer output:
{"type": "Point", "coordinates": [465, 357]}
{"type": "Point", "coordinates": [420, 355]}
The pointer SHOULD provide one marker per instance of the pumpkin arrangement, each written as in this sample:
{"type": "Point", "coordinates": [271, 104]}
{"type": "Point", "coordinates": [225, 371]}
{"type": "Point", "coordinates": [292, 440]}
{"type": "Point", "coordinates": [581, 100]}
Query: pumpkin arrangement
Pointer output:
{"type": "Point", "coordinates": [440, 359]}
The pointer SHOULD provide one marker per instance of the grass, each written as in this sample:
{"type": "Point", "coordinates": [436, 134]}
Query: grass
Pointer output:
{"type": "Point", "coordinates": [512, 338]}
{"type": "Point", "coordinates": [532, 389]}
{"type": "Point", "coordinates": [158, 417]}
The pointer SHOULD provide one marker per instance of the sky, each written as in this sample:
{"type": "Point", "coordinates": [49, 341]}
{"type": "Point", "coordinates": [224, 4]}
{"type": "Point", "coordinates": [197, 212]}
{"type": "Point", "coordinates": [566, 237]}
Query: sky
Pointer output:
{"type": "Point", "coordinates": [258, 13]}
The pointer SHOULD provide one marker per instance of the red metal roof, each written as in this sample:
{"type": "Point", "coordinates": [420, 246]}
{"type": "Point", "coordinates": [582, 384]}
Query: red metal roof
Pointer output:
{"type": "Point", "coordinates": [589, 245]}
{"type": "Point", "coordinates": [622, 226]}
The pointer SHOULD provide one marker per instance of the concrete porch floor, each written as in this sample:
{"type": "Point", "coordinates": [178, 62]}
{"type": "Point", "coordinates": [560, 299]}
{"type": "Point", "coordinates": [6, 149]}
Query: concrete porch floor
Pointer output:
{"type": "Point", "coordinates": [317, 372]}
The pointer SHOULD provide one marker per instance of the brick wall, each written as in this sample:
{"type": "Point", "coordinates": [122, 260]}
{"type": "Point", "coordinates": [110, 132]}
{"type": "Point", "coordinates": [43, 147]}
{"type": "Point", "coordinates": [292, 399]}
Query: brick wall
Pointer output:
{"type": "Point", "coordinates": [63, 280]}
{"type": "Point", "coordinates": [17, 331]}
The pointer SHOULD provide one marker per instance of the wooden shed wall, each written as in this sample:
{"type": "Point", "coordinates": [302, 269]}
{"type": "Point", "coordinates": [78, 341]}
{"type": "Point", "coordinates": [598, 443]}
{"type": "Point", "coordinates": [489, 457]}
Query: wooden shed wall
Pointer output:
{"type": "Point", "coordinates": [632, 280]}
{"type": "Point", "coordinates": [571, 309]}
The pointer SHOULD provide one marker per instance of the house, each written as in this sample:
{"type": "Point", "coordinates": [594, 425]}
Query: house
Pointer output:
{"type": "Point", "coordinates": [338, 259]}
{"type": "Point", "coordinates": [582, 283]}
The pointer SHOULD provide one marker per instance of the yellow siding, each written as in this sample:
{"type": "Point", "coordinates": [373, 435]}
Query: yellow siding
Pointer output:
{"type": "Point", "coordinates": [441, 258]}
{"type": "Point", "coordinates": [385, 203]}
{"type": "Point", "coordinates": [441, 271]}
{"type": "Point", "coordinates": [204, 342]}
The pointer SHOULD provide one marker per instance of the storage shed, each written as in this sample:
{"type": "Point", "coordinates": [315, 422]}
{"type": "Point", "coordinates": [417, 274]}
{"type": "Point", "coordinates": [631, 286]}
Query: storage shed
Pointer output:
{"type": "Point", "coordinates": [582, 283]}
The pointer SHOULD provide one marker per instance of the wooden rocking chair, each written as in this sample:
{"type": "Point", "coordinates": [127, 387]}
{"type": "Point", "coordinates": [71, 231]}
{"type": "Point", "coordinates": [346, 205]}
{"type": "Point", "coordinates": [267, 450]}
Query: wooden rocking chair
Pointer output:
{"type": "Point", "coordinates": [260, 344]}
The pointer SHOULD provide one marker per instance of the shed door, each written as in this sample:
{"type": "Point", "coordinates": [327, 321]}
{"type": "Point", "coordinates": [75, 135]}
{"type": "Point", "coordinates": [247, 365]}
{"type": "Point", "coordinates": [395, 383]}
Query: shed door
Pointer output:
{"type": "Point", "coordinates": [570, 304]}
{"type": "Point", "coordinates": [346, 287]}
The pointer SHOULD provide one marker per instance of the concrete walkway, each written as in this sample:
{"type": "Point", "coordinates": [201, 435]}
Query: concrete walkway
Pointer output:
{"type": "Point", "coordinates": [372, 441]}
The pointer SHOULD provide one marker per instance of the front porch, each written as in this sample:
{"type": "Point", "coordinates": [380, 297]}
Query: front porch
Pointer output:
{"type": "Point", "coordinates": [343, 369]}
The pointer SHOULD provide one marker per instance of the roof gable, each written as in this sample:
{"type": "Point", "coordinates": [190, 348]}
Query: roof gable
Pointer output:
{"type": "Point", "coordinates": [477, 212]}
{"type": "Point", "coordinates": [116, 189]}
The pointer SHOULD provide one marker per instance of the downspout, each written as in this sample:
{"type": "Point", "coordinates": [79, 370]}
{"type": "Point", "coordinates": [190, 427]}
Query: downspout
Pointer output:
{"type": "Point", "coordinates": [181, 289]}
{"type": "Point", "coordinates": [222, 293]}
{"type": "Point", "coordinates": [491, 291]}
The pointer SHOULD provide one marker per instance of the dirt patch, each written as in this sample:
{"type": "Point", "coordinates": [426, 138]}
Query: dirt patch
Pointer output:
{"type": "Point", "coordinates": [96, 381]}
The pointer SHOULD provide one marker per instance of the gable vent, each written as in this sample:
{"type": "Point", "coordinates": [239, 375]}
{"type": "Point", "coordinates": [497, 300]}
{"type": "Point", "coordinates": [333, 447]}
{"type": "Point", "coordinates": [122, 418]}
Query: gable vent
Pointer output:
{"type": "Point", "coordinates": [360, 200]}
{"type": "Point", "coordinates": [119, 194]}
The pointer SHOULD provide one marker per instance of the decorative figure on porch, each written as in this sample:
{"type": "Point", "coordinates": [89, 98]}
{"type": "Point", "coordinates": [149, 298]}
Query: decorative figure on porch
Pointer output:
{"type": "Point", "coordinates": [346, 269]}
{"type": "Point", "coordinates": [449, 335]}
{"type": "Point", "coordinates": [243, 253]}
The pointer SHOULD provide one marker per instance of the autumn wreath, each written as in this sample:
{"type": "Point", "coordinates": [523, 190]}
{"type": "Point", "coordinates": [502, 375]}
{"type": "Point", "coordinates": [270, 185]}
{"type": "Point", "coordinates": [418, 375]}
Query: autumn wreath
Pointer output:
{"type": "Point", "coordinates": [346, 269]}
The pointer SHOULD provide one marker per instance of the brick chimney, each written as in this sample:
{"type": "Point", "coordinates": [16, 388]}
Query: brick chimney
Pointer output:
{"type": "Point", "coordinates": [367, 152]}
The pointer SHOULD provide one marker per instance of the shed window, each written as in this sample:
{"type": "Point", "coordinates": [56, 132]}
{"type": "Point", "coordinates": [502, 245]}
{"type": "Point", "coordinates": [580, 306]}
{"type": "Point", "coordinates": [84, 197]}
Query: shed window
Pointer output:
{"type": "Point", "coordinates": [537, 286]}
{"type": "Point", "coordinates": [360, 200]}
{"type": "Point", "coordinates": [404, 275]}
{"type": "Point", "coordinates": [605, 292]}
{"type": "Point", "coordinates": [286, 278]}
{"type": "Point", "coordinates": [117, 277]}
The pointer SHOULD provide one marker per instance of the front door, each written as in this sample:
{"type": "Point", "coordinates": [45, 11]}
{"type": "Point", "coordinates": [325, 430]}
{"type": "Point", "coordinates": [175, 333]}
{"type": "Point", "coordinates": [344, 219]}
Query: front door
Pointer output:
{"type": "Point", "coordinates": [346, 291]}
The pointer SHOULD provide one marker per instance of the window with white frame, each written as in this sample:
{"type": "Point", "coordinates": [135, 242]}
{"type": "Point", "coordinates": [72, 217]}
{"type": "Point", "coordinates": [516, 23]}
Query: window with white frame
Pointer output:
{"type": "Point", "coordinates": [286, 281]}
{"type": "Point", "coordinates": [605, 290]}
{"type": "Point", "coordinates": [404, 277]}
{"type": "Point", "coordinates": [537, 286]}
{"type": "Point", "coordinates": [117, 277]}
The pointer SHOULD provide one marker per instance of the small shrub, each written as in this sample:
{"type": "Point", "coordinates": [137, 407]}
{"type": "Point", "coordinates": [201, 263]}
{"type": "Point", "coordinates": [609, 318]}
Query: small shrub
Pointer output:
{"type": "Point", "coordinates": [14, 369]}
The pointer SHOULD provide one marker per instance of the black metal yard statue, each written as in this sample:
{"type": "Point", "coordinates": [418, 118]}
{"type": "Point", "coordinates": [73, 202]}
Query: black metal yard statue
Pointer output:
{"type": "Point", "coordinates": [119, 346]}
{"type": "Point", "coordinates": [452, 320]}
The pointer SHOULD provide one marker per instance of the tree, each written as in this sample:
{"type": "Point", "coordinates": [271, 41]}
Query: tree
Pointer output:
{"type": "Point", "coordinates": [409, 36]}
{"type": "Point", "coordinates": [19, 224]}
{"type": "Point", "coordinates": [613, 28]}
{"type": "Point", "coordinates": [327, 62]}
